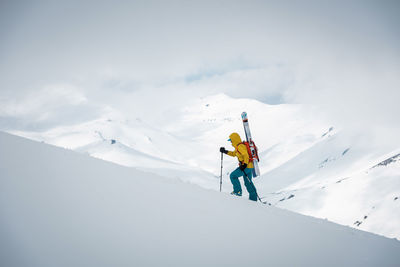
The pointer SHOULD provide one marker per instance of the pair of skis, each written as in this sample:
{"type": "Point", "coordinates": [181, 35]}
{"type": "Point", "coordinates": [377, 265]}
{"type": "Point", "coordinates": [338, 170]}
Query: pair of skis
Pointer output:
{"type": "Point", "coordinates": [249, 139]}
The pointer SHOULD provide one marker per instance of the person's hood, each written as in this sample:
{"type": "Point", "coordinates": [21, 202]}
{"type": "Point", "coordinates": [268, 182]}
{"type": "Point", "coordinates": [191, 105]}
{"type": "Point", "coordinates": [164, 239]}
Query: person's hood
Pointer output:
{"type": "Point", "coordinates": [235, 139]}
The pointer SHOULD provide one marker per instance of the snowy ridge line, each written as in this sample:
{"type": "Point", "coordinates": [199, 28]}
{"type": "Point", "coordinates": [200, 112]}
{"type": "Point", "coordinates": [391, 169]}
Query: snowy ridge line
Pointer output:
{"type": "Point", "coordinates": [387, 161]}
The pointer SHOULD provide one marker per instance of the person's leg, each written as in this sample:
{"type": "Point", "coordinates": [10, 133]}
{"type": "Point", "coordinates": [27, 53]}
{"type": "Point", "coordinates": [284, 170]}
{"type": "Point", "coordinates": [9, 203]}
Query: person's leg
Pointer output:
{"type": "Point", "coordinates": [249, 185]}
{"type": "Point", "coordinates": [235, 180]}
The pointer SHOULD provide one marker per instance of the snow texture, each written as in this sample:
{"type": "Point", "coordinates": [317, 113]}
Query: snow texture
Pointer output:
{"type": "Point", "coordinates": [61, 208]}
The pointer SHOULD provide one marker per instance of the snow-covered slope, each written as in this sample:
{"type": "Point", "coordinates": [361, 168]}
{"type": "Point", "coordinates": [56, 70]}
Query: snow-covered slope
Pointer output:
{"type": "Point", "coordinates": [192, 138]}
{"type": "Point", "coordinates": [60, 208]}
{"type": "Point", "coordinates": [307, 165]}
{"type": "Point", "coordinates": [343, 180]}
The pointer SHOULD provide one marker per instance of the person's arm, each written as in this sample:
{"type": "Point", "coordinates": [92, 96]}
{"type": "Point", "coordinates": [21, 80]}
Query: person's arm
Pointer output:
{"type": "Point", "coordinates": [229, 153]}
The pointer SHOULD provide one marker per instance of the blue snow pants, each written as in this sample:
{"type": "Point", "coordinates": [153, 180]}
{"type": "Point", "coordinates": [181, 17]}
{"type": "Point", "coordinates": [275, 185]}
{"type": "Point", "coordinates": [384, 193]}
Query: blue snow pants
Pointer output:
{"type": "Point", "coordinates": [249, 186]}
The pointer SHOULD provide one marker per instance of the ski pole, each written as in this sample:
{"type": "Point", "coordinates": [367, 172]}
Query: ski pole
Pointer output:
{"type": "Point", "coordinates": [220, 180]}
{"type": "Point", "coordinates": [254, 187]}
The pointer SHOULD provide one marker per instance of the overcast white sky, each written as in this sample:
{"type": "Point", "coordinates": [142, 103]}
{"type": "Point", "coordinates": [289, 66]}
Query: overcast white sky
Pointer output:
{"type": "Point", "coordinates": [59, 59]}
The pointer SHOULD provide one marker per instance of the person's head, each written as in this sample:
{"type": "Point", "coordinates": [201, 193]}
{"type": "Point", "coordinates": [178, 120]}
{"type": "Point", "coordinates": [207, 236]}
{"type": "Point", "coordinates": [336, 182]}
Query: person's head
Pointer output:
{"type": "Point", "coordinates": [235, 139]}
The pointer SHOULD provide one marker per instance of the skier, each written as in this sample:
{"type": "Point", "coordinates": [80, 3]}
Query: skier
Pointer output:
{"type": "Point", "coordinates": [245, 167]}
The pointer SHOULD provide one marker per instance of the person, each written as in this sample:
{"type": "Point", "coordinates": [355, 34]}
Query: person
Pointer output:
{"type": "Point", "coordinates": [245, 167]}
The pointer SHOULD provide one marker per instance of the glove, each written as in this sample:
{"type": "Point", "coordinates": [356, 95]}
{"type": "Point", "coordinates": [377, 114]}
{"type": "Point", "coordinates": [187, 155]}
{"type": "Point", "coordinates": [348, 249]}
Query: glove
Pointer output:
{"type": "Point", "coordinates": [242, 166]}
{"type": "Point", "coordinates": [223, 150]}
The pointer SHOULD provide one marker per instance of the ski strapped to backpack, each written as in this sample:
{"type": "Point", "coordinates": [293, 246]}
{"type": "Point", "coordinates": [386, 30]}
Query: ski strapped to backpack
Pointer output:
{"type": "Point", "coordinates": [251, 150]}
{"type": "Point", "coordinates": [253, 154]}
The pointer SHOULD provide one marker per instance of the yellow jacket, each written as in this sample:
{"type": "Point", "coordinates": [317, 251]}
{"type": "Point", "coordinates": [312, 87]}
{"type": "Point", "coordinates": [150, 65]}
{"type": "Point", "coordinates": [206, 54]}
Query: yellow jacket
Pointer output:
{"type": "Point", "coordinates": [240, 150]}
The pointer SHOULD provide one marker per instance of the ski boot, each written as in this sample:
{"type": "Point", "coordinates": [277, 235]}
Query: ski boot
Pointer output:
{"type": "Point", "coordinates": [239, 194]}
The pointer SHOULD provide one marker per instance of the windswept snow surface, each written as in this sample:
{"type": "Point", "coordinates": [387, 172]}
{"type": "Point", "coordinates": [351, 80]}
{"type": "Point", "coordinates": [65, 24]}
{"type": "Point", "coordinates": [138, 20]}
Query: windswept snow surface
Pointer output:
{"type": "Point", "coordinates": [61, 208]}
{"type": "Point", "coordinates": [340, 179]}
{"type": "Point", "coordinates": [307, 165]}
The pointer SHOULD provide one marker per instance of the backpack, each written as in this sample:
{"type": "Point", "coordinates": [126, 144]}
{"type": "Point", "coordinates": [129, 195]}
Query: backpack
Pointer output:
{"type": "Point", "coordinates": [253, 153]}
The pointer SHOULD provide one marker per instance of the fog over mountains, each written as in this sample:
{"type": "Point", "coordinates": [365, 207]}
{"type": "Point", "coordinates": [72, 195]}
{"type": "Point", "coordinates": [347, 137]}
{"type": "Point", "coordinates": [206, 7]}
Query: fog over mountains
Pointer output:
{"type": "Point", "coordinates": [158, 87]}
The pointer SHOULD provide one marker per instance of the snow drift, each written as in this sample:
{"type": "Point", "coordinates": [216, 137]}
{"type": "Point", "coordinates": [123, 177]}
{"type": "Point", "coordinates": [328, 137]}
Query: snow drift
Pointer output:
{"type": "Point", "coordinates": [61, 208]}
